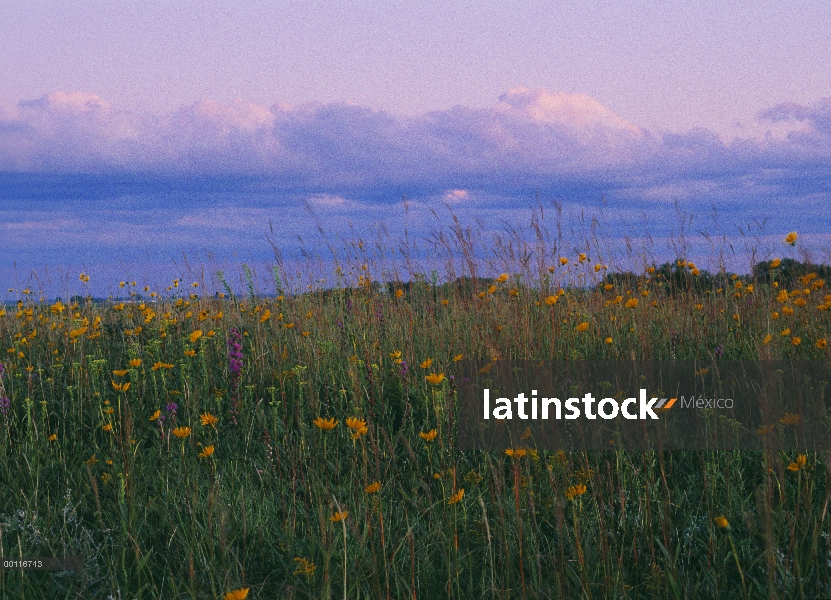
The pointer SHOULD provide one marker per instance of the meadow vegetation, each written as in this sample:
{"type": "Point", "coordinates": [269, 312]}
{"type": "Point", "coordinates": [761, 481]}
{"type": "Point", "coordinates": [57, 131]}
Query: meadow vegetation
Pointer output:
{"type": "Point", "coordinates": [193, 445]}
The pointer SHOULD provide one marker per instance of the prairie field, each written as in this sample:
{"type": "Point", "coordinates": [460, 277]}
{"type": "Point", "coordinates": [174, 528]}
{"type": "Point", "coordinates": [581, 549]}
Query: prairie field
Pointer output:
{"type": "Point", "coordinates": [189, 444]}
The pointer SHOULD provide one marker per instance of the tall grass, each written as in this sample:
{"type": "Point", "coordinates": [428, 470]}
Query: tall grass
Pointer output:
{"type": "Point", "coordinates": [91, 466]}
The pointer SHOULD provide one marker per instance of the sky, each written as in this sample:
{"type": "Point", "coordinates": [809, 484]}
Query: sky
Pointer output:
{"type": "Point", "coordinates": [140, 133]}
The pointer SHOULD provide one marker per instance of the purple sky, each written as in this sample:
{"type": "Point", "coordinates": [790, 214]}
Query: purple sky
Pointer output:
{"type": "Point", "coordinates": [223, 117]}
{"type": "Point", "coordinates": [661, 65]}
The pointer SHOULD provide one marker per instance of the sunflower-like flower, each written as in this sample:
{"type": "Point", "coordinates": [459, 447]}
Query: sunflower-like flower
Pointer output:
{"type": "Point", "coordinates": [428, 436]}
{"type": "Point", "coordinates": [722, 523]}
{"type": "Point", "coordinates": [457, 497]}
{"type": "Point", "coordinates": [208, 420]}
{"type": "Point", "coordinates": [181, 432]}
{"type": "Point", "coordinates": [575, 490]}
{"type": "Point", "coordinates": [325, 424]}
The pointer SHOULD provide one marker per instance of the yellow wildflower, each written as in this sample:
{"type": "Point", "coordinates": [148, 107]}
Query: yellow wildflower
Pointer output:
{"type": "Point", "coordinates": [373, 487]}
{"type": "Point", "coordinates": [790, 419]}
{"type": "Point", "coordinates": [427, 363]}
{"type": "Point", "coordinates": [801, 460]}
{"type": "Point", "coordinates": [458, 357]}
{"type": "Point", "coordinates": [428, 436]}
{"type": "Point", "coordinates": [631, 303]}
{"type": "Point", "coordinates": [155, 415]}
{"type": "Point", "coordinates": [339, 516]}
{"type": "Point", "coordinates": [457, 497]}
{"type": "Point", "coordinates": [575, 490]}
{"type": "Point", "coordinates": [519, 453]}
{"type": "Point", "coordinates": [120, 372]}
{"type": "Point", "coordinates": [136, 362]}
{"type": "Point", "coordinates": [722, 523]}
{"type": "Point", "coordinates": [791, 238]}
{"type": "Point", "coordinates": [181, 432]}
{"type": "Point", "coordinates": [434, 378]}
{"type": "Point", "coordinates": [551, 300]}
{"type": "Point", "coordinates": [239, 594]}
{"type": "Point", "coordinates": [206, 452]}
{"type": "Point", "coordinates": [582, 326]}
{"type": "Point", "coordinates": [325, 424]}
{"type": "Point", "coordinates": [208, 420]}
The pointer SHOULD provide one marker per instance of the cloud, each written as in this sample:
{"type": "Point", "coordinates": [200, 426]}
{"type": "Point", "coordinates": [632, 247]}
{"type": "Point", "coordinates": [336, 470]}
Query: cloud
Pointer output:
{"type": "Point", "coordinates": [530, 139]}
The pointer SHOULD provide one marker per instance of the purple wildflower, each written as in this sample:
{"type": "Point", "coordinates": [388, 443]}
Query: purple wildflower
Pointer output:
{"type": "Point", "coordinates": [172, 407]}
{"type": "Point", "coordinates": [405, 368]}
{"type": "Point", "coordinates": [2, 370]}
{"type": "Point", "coordinates": [719, 351]}
{"type": "Point", "coordinates": [4, 405]}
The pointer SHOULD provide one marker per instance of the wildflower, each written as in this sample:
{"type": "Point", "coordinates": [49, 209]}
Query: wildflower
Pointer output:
{"type": "Point", "coordinates": [502, 278]}
{"type": "Point", "coordinates": [373, 487]}
{"type": "Point", "coordinates": [608, 340]}
{"type": "Point", "coordinates": [563, 260]}
{"type": "Point", "coordinates": [265, 316]}
{"type": "Point", "coordinates": [631, 303]}
{"type": "Point", "coordinates": [155, 416]}
{"type": "Point", "coordinates": [790, 419]}
{"type": "Point", "coordinates": [161, 365]}
{"type": "Point", "coordinates": [53, 437]}
{"type": "Point", "coordinates": [551, 300]}
{"type": "Point", "coordinates": [91, 460]}
{"type": "Point", "coordinates": [181, 432]}
{"type": "Point", "coordinates": [339, 516]}
{"type": "Point", "coordinates": [492, 289]}
{"type": "Point", "coordinates": [791, 238]}
{"type": "Point", "coordinates": [575, 490]}
{"type": "Point", "coordinates": [325, 424]}
{"type": "Point", "coordinates": [434, 378]}
{"type": "Point", "coordinates": [399, 293]}
{"type": "Point", "coordinates": [120, 372]}
{"type": "Point", "coordinates": [774, 315]}
{"type": "Point", "coordinates": [445, 302]}
{"type": "Point", "coordinates": [288, 325]}
{"type": "Point", "coordinates": [786, 332]}
{"type": "Point", "coordinates": [428, 436]}
{"type": "Point", "coordinates": [458, 357]}
{"type": "Point", "coordinates": [121, 387]}
{"type": "Point", "coordinates": [107, 427]}
{"type": "Point", "coordinates": [519, 453]}
{"type": "Point", "coordinates": [304, 567]}
{"type": "Point", "coordinates": [514, 292]}
{"type": "Point", "coordinates": [208, 420]}
{"type": "Point", "coordinates": [206, 451]}
{"type": "Point", "coordinates": [801, 460]}
{"type": "Point", "coordinates": [795, 341]}
{"type": "Point", "coordinates": [775, 263]}
{"type": "Point", "coordinates": [355, 423]}
{"type": "Point", "coordinates": [765, 429]}
{"type": "Point", "coordinates": [190, 353]}
{"type": "Point", "coordinates": [699, 306]}
{"type": "Point", "coordinates": [195, 336]}
{"type": "Point", "coordinates": [427, 363]}
{"type": "Point", "coordinates": [582, 326]}
{"type": "Point", "coordinates": [722, 523]}
{"type": "Point", "coordinates": [457, 497]}
{"type": "Point", "coordinates": [136, 362]}
{"type": "Point", "coordinates": [240, 594]}
{"type": "Point", "coordinates": [822, 343]}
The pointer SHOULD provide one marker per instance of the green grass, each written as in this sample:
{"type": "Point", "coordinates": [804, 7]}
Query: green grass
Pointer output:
{"type": "Point", "coordinates": [152, 519]}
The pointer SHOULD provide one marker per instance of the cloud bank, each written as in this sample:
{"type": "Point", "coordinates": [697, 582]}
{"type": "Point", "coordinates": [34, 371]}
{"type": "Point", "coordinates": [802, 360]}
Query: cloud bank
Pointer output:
{"type": "Point", "coordinates": [529, 139]}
